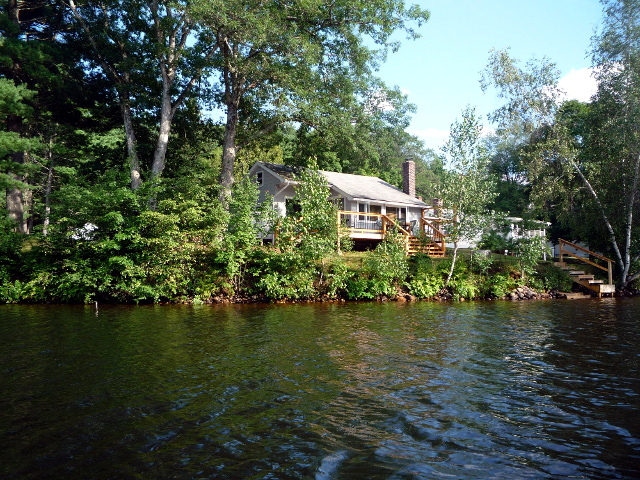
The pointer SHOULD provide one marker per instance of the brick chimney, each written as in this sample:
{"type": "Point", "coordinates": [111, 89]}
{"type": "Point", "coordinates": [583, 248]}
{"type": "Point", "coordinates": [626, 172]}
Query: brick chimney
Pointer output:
{"type": "Point", "coordinates": [409, 177]}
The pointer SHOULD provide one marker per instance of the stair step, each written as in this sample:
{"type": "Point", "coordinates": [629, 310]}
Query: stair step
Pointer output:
{"type": "Point", "coordinates": [577, 272]}
{"type": "Point", "coordinates": [586, 277]}
{"type": "Point", "coordinates": [596, 282]}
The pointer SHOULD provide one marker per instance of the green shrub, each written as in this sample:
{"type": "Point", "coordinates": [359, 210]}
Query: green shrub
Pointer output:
{"type": "Point", "coordinates": [464, 286]}
{"type": "Point", "coordinates": [282, 275]}
{"type": "Point", "coordinates": [386, 267]}
{"type": "Point", "coordinates": [497, 285]}
{"type": "Point", "coordinates": [493, 240]}
{"type": "Point", "coordinates": [337, 279]}
{"type": "Point", "coordinates": [426, 285]}
{"type": "Point", "coordinates": [361, 288]}
{"type": "Point", "coordinates": [481, 262]}
{"type": "Point", "coordinates": [553, 278]}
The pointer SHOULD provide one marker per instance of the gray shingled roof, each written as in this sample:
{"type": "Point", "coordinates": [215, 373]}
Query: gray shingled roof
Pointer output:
{"type": "Point", "coordinates": [370, 188]}
{"type": "Point", "coordinates": [354, 186]}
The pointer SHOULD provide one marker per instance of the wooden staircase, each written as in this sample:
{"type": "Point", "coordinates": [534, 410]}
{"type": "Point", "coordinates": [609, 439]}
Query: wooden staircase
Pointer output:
{"type": "Point", "coordinates": [582, 278]}
{"type": "Point", "coordinates": [421, 245]}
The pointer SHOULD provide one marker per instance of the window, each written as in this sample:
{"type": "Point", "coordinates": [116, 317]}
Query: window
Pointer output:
{"type": "Point", "coordinates": [363, 208]}
{"type": "Point", "coordinates": [397, 214]}
{"type": "Point", "coordinates": [259, 178]}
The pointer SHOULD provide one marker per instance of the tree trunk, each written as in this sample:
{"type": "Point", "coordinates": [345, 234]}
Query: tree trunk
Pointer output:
{"type": "Point", "coordinates": [15, 207]}
{"type": "Point", "coordinates": [47, 193]}
{"type": "Point", "coordinates": [228, 154]}
{"type": "Point", "coordinates": [453, 263]}
{"type": "Point", "coordinates": [166, 117]}
{"type": "Point", "coordinates": [15, 199]}
{"type": "Point", "coordinates": [132, 150]}
{"type": "Point", "coordinates": [605, 219]}
{"type": "Point", "coordinates": [121, 83]}
{"type": "Point", "coordinates": [627, 244]}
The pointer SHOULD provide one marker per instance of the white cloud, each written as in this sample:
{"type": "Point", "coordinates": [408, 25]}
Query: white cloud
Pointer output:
{"type": "Point", "coordinates": [578, 85]}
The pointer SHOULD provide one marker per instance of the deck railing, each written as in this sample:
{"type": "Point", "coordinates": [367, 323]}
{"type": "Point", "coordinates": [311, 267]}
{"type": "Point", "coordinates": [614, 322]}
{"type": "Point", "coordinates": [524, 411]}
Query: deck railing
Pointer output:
{"type": "Point", "coordinates": [608, 268]}
{"type": "Point", "coordinates": [426, 229]}
{"type": "Point", "coordinates": [432, 228]}
{"type": "Point", "coordinates": [360, 222]}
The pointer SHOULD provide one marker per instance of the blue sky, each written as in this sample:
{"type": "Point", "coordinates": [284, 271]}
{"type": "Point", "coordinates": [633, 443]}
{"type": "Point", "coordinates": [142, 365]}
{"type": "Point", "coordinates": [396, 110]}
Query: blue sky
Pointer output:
{"type": "Point", "coordinates": [440, 71]}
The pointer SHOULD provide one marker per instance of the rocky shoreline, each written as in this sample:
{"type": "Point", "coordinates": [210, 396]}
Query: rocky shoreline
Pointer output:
{"type": "Point", "coordinates": [521, 293]}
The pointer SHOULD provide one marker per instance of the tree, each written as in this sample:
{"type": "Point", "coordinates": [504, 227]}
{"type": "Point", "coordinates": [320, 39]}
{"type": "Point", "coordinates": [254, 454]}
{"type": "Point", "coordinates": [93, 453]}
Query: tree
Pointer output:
{"type": "Point", "coordinates": [615, 193]}
{"type": "Point", "coordinates": [467, 189]}
{"type": "Point", "coordinates": [300, 61]}
{"type": "Point", "coordinates": [311, 230]}
{"type": "Point", "coordinates": [30, 71]}
{"type": "Point", "coordinates": [531, 94]}
{"type": "Point", "coordinates": [155, 55]}
{"type": "Point", "coordinates": [591, 158]}
{"type": "Point", "coordinates": [13, 110]}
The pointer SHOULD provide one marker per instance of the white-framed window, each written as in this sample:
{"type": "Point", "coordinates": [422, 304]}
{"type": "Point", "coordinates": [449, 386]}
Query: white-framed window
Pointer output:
{"type": "Point", "coordinates": [363, 208]}
{"type": "Point", "coordinates": [398, 214]}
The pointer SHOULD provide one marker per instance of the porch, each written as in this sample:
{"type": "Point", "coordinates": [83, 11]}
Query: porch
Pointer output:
{"type": "Point", "coordinates": [423, 235]}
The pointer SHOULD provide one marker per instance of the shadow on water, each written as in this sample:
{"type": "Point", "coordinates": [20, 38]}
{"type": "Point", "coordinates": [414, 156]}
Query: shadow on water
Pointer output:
{"type": "Point", "coordinates": [470, 390]}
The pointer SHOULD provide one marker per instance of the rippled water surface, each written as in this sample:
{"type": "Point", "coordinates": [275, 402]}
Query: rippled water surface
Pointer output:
{"type": "Point", "coordinates": [517, 390]}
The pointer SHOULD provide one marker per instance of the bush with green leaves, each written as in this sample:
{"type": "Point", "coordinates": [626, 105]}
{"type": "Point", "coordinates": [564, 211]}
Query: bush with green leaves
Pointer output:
{"type": "Point", "coordinates": [10, 258]}
{"type": "Point", "coordinates": [553, 278]}
{"type": "Point", "coordinates": [464, 287]}
{"type": "Point", "coordinates": [426, 285]}
{"type": "Point", "coordinates": [426, 280]}
{"type": "Point", "coordinates": [247, 222]}
{"type": "Point", "coordinates": [481, 261]}
{"type": "Point", "coordinates": [282, 275]}
{"type": "Point", "coordinates": [497, 285]}
{"type": "Point", "coordinates": [337, 279]}
{"type": "Point", "coordinates": [493, 240]}
{"type": "Point", "coordinates": [383, 271]}
{"type": "Point", "coordinates": [104, 244]}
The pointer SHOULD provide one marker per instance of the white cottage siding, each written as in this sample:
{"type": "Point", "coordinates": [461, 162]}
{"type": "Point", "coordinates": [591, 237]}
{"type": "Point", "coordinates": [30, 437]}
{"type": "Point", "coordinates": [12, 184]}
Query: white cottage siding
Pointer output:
{"type": "Point", "coordinates": [269, 183]}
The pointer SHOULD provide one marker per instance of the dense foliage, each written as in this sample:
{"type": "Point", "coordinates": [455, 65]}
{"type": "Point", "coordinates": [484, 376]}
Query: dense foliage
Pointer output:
{"type": "Point", "coordinates": [127, 127]}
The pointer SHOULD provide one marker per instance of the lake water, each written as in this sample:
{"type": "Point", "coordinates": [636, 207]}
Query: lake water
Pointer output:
{"type": "Point", "coordinates": [469, 390]}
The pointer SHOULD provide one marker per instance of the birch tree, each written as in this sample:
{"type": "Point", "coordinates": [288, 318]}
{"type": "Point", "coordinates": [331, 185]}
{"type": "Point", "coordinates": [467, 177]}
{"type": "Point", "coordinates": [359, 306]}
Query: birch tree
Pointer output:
{"type": "Point", "coordinates": [616, 55]}
{"type": "Point", "coordinates": [602, 166]}
{"type": "Point", "coordinates": [467, 188]}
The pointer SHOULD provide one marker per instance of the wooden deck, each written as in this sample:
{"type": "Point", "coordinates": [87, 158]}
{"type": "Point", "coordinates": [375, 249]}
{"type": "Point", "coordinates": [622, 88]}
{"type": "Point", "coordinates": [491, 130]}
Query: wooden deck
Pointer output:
{"type": "Point", "coordinates": [420, 236]}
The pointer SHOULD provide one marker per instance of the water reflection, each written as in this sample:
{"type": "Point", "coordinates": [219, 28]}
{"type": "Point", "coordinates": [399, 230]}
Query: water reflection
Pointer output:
{"type": "Point", "coordinates": [381, 391]}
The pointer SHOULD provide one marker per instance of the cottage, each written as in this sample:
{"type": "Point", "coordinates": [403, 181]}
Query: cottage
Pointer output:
{"type": "Point", "coordinates": [369, 208]}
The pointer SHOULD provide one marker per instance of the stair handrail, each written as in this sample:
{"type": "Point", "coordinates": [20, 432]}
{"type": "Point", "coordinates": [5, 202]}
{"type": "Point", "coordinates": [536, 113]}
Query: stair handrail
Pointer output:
{"type": "Point", "coordinates": [608, 269]}
{"type": "Point", "coordinates": [437, 235]}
